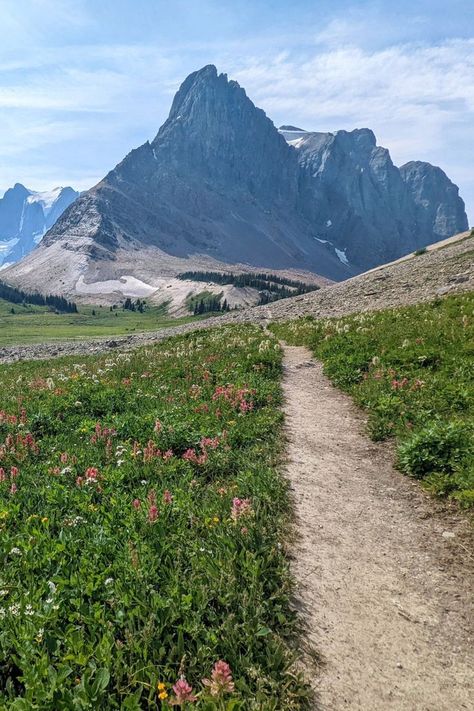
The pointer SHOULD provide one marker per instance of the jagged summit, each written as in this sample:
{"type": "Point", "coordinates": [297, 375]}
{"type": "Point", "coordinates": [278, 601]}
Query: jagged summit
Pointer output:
{"type": "Point", "coordinates": [220, 183]}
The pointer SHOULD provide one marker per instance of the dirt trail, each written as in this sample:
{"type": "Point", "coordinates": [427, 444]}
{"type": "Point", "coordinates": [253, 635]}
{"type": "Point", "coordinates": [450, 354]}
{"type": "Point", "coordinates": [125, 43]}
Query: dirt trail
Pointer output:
{"type": "Point", "coordinates": [385, 582]}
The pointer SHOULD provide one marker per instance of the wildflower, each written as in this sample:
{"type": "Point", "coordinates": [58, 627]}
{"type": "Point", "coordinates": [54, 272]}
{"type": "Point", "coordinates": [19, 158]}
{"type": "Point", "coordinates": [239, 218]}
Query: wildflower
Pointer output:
{"type": "Point", "coordinates": [167, 497]}
{"type": "Point", "coordinates": [184, 693]}
{"type": "Point", "coordinates": [91, 474]}
{"type": "Point", "coordinates": [2, 474]}
{"type": "Point", "coordinates": [158, 426]}
{"type": "Point", "coordinates": [14, 472]}
{"type": "Point", "coordinates": [13, 488]}
{"type": "Point", "coordinates": [221, 679]}
{"type": "Point", "coordinates": [15, 551]}
{"type": "Point", "coordinates": [152, 513]}
{"type": "Point", "coordinates": [108, 581]}
{"type": "Point", "coordinates": [240, 507]}
{"type": "Point", "coordinates": [162, 693]}
{"type": "Point", "coordinates": [136, 503]}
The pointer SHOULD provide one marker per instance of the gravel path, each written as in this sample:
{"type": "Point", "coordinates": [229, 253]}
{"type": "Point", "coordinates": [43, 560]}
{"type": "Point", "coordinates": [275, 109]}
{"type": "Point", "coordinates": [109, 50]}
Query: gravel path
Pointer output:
{"type": "Point", "coordinates": [385, 575]}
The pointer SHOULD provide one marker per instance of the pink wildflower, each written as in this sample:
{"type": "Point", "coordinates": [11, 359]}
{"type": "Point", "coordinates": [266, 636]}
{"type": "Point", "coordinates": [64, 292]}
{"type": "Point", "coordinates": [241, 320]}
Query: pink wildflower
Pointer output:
{"type": "Point", "coordinates": [167, 497]}
{"type": "Point", "coordinates": [184, 693]}
{"type": "Point", "coordinates": [240, 507]}
{"type": "Point", "coordinates": [92, 474]}
{"type": "Point", "coordinates": [13, 488]}
{"type": "Point", "coordinates": [14, 472]}
{"type": "Point", "coordinates": [2, 474]}
{"type": "Point", "coordinates": [152, 513]}
{"type": "Point", "coordinates": [136, 503]}
{"type": "Point", "coordinates": [167, 455]}
{"type": "Point", "coordinates": [158, 426]}
{"type": "Point", "coordinates": [221, 680]}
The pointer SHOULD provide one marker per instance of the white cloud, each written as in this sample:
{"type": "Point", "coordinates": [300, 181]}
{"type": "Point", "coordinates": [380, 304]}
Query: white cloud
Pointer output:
{"type": "Point", "coordinates": [418, 99]}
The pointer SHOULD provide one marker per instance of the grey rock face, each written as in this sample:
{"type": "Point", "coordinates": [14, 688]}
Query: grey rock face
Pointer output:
{"type": "Point", "coordinates": [439, 209]}
{"type": "Point", "coordinates": [220, 180]}
{"type": "Point", "coordinates": [26, 215]}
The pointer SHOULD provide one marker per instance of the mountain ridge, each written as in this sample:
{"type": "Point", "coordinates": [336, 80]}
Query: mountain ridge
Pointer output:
{"type": "Point", "coordinates": [220, 184]}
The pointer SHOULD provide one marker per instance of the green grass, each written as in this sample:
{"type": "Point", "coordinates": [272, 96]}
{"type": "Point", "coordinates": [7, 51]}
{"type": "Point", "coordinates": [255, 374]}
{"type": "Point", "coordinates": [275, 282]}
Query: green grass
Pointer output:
{"type": "Point", "coordinates": [37, 324]}
{"type": "Point", "coordinates": [412, 369]}
{"type": "Point", "coordinates": [102, 595]}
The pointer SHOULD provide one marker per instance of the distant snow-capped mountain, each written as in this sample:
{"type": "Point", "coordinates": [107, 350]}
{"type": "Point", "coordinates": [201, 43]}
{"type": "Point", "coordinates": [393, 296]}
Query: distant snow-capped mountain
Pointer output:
{"type": "Point", "coordinates": [25, 216]}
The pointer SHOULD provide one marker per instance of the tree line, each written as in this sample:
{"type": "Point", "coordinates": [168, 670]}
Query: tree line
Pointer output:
{"type": "Point", "coordinates": [17, 296]}
{"type": "Point", "coordinates": [260, 281]}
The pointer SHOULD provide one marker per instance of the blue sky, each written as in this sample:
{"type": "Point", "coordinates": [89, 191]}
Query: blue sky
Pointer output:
{"type": "Point", "coordinates": [84, 81]}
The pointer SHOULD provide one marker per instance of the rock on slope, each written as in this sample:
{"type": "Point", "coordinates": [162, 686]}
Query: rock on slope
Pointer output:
{"type": "Point", "coordinates": [25, 216]}
{"type": "Point", "coordinates": [220, 185]}
{"type": "Point", "coordinates": [446, 268]}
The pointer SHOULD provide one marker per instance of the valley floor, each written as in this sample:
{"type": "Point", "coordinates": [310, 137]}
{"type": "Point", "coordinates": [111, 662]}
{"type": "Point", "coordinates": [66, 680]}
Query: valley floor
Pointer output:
{"type": "Point", "coordinates": [384, 578]}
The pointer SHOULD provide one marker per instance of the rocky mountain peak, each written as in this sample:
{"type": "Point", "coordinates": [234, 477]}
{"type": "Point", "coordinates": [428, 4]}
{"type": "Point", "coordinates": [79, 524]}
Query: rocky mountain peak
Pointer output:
{"type": "Point", "coordinates": [220, 182]}
{"type": "Point", "coordinates": [214, 129]}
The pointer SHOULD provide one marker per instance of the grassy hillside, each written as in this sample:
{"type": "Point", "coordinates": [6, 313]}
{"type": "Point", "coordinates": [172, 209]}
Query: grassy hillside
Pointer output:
{"type": "Point", "coordinates": [413, 370]}
{"type": "Point", "coordinates": [141, 521]}
{"type": "Point", "coordinates": [37, 324]}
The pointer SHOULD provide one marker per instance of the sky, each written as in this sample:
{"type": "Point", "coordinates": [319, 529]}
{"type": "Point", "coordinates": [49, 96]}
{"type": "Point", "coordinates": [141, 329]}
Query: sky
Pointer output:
{"type": "Point", "coordinates": [82, 82]}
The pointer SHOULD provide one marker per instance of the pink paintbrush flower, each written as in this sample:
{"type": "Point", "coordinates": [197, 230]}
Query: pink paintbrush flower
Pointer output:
{"type": "Point", "coordinates": [183, 693]}
{"type": "Point", "coordinates": [221, 681]}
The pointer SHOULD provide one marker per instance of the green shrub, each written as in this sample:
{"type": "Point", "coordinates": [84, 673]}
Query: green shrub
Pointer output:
{"type": "Point", "coordinates": [442, 447]}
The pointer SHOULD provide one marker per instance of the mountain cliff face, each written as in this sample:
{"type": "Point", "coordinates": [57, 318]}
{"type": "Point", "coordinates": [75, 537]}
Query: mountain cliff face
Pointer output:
{"type": "Point", "coordinates": [220, 183]}
{"type": "Point", "coordinates": [26, 215]}
{"type": "Point", "coordinates": [439, 211]}
{"type": "Point", "coordinates": [360, 202]}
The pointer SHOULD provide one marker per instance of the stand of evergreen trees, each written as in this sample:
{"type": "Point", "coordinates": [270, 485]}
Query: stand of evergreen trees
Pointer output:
{"type": "Point", "coordinates": [210, 304]}
{"type": "Point", "coordinates": [271, 286]}
{"type": "Point", "coordinates": [137, 305]}
{"type": "Point", "coordinates": [259, 280]}
{"type": "Point", "coordinates": [17, 296]}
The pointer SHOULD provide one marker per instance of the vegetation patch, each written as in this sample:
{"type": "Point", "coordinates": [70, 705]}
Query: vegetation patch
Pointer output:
{"type": "Point", "coordinates": [27, 323]}
{"type": "Point", "coordinates": [141, 520]}
{"type": "Point", "coordinates": [271, 287]}
{"type": "Point", "coordinates": [206, 302]}
{"type": "Point", "coordinates": [413, 370]}
{"type": "Point", "coordinates": [16, 296]}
